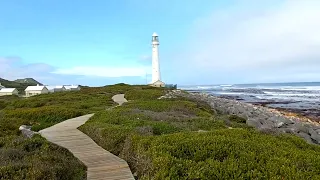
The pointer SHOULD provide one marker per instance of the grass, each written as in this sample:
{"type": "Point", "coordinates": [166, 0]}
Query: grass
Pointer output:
{"type": "Point", "coordinates": [160, 139]}
{"type": "Point", "coordinates": [225, 154]}
{"type": "Point", "coordinates": [36, 158]}
{"type": "Point", "coordinates": [47, 109]}
{"type": "Point", "coordinates": [186, 139]}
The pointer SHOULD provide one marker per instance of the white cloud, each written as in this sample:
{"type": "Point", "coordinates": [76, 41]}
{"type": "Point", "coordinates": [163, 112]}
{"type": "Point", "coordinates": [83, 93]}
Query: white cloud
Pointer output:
{"type": "Point", "coordinates": [105, 71]}
{"type": "Point", "coordinates": [279, 37]}
{"type": "Point", "coordinates": [145, 57]}
{"type": "Point", "coordinates": [12, 68]}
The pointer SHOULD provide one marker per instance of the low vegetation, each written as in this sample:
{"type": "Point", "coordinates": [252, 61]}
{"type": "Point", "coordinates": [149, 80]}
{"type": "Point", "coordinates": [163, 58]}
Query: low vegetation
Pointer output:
{"type": "Point", "coordinates": [160, 139]}
{"type": "Point", "coordinates": [184, 139]}
{"type": "Point", "coordinates": [36, 158]}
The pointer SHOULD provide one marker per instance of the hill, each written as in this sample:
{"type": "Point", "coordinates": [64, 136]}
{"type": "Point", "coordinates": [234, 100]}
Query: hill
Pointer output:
{"type": "Point", "coordinates": [176, 138]}
{"type": "Point", "coordinates": [20, 86]}
{"type": "Point", "coordinates": [28, 81]}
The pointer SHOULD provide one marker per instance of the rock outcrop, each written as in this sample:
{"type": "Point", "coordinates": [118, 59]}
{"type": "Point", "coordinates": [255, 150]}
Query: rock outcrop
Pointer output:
{"type": "Point", "coordinates": [26, 131]}
{"type": "Point", "coordinates": [262, 118]}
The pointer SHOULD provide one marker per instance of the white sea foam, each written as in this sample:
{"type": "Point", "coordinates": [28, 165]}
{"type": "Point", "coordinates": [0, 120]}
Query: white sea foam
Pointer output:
{"type": "Point", "coordinates": [226, 85]}
{"type": "Point", "coordinates": [292, 94]}
{"type": "Point", "coordinates": [206, 87]}
{"type": "Point", "coordinates": [276, 92]}
{"type": "Point", "coordinates": [231, 93]}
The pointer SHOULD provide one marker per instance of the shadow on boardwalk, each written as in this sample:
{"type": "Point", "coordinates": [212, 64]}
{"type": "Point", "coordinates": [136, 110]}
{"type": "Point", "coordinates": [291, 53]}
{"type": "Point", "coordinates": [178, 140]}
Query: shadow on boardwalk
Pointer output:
{"type": "Point", "coordinates": [101, 164]}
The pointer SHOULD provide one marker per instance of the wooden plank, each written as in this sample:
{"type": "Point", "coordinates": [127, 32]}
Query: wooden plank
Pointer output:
{"type": "Point", "coordinates": [101, 164]}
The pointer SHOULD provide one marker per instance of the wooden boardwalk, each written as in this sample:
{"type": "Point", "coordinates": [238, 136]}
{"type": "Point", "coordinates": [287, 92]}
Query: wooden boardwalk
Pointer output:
{"type": "Point", "coordinates": [101, 164]}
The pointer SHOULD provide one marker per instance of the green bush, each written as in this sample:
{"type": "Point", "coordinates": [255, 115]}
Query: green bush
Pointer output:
{"type": "Point", "coordinates": [165, 106]}
{"type": "Point", "coordinates": [237, 119]}
{"type": "Point", "coordinates": [96, 99]}
{"type": "Point", "coordinates": [10, 126]}
{"type": "Point", "coordinates": [37, 159]}
{"type": "Point", "coordinates": [227, 154]}
{"type": "Point", "coordinates": [43, 117]}
{"type": "Point", "coordinates": [144, 93]}
{"type": "Point", "coordinates": [160, 139]}
{"type": "Point", "coordinates": [2, 105]}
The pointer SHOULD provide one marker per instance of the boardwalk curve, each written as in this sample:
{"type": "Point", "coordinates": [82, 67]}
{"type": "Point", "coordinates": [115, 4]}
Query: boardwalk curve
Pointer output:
{"type": "Point", "coordinates": [100, 163]}
{"type": "Point", "coordinates": [119, 98]}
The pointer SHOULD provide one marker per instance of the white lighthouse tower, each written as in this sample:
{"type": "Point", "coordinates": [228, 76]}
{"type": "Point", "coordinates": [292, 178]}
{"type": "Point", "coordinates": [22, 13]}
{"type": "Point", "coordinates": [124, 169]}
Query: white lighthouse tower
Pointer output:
{"type": "Point", "coordinates": [156, 78]}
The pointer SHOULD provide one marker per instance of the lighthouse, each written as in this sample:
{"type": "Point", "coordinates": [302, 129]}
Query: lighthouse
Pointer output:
{"type": "Point", "coordinates": [156, 78]}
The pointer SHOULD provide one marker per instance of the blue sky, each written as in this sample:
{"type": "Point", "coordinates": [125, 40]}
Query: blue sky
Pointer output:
{"type": "Point", "coordinates": [102, 42]}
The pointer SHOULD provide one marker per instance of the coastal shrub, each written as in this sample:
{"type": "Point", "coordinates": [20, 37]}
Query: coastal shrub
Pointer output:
{"type": "Point", "coordinates": [36, 158]}
{"type": "Point", "coordinates": [10, 126]}
{"type": "Point", "coordinates": [98, 100]}
{"type": "Point", "coordinates": [145, 93]}
{"type": "Point", "coordinates": [2, 105]}
{"type": "Point", "coordinates": [119, 124]}
{"type": "Point", "coordinates": [186, 107]}
{"type": "Point", "coordinates": [161, 139]}
{"type": "Point", "coordinates": [226, 154]}
{"type": "Point", "coordinates": [108, 136]}
{"type": "Point", "coordinates": [174, 138]}
{"type": "Point", "coordinates": [43, 117]}
{"type": "Point", "coordinates": [237, 119]}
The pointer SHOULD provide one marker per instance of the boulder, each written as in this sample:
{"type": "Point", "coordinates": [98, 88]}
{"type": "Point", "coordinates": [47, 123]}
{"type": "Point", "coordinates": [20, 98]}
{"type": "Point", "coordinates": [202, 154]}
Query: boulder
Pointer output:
{"type": "Point", "coordinates": [253, 123]}
{"type": "Point", "coordinates": [280, 119]}
{"type": "Point", "coordinates": [287, 130]}
{"type": "Point", "coordinates": [28, 133]}
{"type": "Point", "coordinates": [261, 118]}
{"type": "Point", "coordinates": [24, 127]}
{"type": "Point", "coordinates": [306, 137]}
{"type": "Point", "coordinates": [300, 127]}
{"type": "Point", "coordinates": [314, 135]}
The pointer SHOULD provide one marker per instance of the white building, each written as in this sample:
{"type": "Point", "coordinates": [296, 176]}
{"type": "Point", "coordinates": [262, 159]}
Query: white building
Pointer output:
{"type": "Point", "coordinates": [36, 90]}
{"type": "Point", "coordinates": [59, 88]}
{"type": "Point", "coordinates": [8, 91]}
{"type": "Point", "coordinates": [72, 87]}
{"type": "Point", "coordinates": [56, 88]}
{"type": "Point", "coordinates": [156, 78]}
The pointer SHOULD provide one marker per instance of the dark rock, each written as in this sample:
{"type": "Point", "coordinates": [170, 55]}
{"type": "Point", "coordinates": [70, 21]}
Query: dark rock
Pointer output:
{"type": "Point", "coordinates": [253, 123]}
{"type": "Point", "coordinates": [27, 133]}
{"type": "Point", "coordinates": [258, 116]}
{"type": "Point", "coordinates": [300, 127]}
{"type": "Point", "coordinates": [314, 135]}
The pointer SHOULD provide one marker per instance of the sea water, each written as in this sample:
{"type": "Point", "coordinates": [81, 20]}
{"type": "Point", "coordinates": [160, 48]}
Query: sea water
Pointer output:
{"type": "Point", "coordinates": [304, 95]}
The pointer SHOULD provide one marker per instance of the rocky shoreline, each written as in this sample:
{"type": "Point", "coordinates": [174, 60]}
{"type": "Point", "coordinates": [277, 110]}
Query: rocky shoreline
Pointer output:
{"type": "Point", "coordinates": [309, 113]}
{"type": "Point", "coordinates": [262, 118]}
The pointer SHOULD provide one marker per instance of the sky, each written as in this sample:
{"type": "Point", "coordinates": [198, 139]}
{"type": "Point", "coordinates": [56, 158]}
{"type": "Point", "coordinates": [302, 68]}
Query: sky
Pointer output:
{"type": "Point", "coordinates": [202, 42]}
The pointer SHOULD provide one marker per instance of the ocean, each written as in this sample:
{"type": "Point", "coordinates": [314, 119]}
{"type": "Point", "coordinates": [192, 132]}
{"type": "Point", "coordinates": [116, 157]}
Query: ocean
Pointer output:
{"type": "Point", "coordinates": [301, 95]}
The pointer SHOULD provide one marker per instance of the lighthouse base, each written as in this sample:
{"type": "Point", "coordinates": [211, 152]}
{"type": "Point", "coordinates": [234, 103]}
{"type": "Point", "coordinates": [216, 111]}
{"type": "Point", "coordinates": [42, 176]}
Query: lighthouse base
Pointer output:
{"type": "Point", "coordinates": [157, 84]}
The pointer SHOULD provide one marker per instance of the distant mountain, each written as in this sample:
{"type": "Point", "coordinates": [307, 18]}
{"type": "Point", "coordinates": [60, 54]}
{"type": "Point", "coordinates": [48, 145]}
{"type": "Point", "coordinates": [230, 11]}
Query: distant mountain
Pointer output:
{"type": "Point", "coordinates": [20, 86]}
{"type": "Point", "coordinates": [28, 81]}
